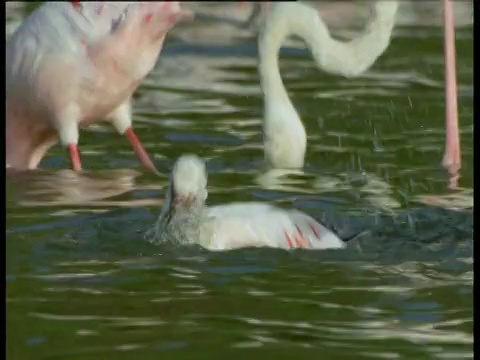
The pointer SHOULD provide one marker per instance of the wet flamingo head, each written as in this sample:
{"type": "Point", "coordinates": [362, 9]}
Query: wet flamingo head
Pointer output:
{"type": "Point", "coordinates": [188, 182]}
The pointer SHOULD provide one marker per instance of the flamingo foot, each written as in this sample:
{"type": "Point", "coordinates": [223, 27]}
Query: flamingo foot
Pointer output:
{"type": "Point", "coordinates": [75, 157]}
{"type": "Point", "coordinates": [139, 150]}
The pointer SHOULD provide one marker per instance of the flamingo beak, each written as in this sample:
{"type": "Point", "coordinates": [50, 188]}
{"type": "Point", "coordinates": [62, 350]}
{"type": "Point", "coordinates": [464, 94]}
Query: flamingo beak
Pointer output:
{"type": "Point", "coordinates": [184, 202]}
{"type": "Point", "coordinates": [180, 15]}
{"type": "Point", "coordinates": [178, 202]}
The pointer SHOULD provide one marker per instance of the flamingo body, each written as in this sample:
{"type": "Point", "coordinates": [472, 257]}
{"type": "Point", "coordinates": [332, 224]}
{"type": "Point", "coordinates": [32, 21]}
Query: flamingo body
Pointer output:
{"type": "Point", "coordinates": [256, 224]}
{"type": "Point", "coordinates": [186, 219]}
{"type": "Point", "coordinates": [72, 63]}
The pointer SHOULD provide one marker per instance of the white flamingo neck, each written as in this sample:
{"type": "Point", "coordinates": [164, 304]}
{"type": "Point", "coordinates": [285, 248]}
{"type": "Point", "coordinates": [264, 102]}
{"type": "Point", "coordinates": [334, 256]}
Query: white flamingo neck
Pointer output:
{"type": "Point", "coordinates": [285, 139]}
{"type": "Point", "coordinates": [343, 58]}
{"type": "Point", "coordinates": [270, 78]}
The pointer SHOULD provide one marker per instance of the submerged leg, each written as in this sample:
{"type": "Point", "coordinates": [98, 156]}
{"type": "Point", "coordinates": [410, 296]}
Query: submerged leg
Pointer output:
{"type": "Point", "coordinates": [122, 120]}
{"type": "Point", "coordinates": [75, 157]}
{"type": "Point", "coordinates": [139, 149]}
{"type": "Point", "coordinates": [67, 126]}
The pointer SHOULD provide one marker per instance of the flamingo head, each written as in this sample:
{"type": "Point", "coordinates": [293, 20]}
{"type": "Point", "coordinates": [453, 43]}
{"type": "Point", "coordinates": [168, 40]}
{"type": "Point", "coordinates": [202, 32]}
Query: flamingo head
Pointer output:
{"type": "Point", "coordinates": [185, 198]}
{"type": "Point", "coordinates": [188, 182]}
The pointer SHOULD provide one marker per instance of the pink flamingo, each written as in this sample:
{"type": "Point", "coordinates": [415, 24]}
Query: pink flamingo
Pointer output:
{"type": "Point", "coordinates": [72, 63]}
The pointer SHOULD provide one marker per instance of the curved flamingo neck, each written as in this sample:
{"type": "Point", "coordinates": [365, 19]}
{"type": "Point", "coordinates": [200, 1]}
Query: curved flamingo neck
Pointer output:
{"type": "Point", "coordinates": [343, 58]}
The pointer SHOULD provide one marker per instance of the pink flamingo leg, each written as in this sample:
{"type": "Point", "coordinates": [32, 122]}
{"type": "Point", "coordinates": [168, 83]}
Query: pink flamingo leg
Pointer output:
{"type": "Point", "coordinates": [139, 150]}
{"type": "Point", "coordinates": [77, 6]}
{"type": "Point", "coordinates": [452, 157]}
{"type": "Point", "coordinates": [75, 157]}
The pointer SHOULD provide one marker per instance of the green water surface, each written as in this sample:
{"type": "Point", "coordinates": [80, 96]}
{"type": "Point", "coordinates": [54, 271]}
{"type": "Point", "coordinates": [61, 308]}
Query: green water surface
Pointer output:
{"type": "Point", "coordinates": [83, 284]}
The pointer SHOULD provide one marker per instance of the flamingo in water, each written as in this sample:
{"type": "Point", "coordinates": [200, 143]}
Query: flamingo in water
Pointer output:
{"type": "Point", "coordinates": [72, 63]}
{"type": "Point", "coordinates": [187, 220]}
{"type": "Point", "coordinates": [285, 138]}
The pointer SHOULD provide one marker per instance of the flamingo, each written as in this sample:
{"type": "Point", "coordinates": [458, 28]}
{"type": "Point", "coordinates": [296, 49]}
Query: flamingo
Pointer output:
{"type": "Point", "coordinates": [452, 152]}
{"type": "Point", "coordinates": [186, 219]}
{"type": "Point", "coordinates": [72, 63]}
{"type": "Point", "coordinates": [285, 138]}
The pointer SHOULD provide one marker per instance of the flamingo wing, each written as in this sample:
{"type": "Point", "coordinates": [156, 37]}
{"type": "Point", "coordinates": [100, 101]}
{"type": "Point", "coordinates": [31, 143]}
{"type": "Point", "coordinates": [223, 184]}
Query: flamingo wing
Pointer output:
{"type": "Point", "coordinates": [257, 225]}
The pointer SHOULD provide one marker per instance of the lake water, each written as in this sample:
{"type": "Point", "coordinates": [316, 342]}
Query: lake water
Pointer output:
{"type": "Point", "coordinates": [83, 284]}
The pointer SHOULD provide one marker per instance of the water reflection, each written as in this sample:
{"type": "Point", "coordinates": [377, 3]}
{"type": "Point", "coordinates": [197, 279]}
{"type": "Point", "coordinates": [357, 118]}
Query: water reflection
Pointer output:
{"type": "Point", "coordinates": [66, 187]}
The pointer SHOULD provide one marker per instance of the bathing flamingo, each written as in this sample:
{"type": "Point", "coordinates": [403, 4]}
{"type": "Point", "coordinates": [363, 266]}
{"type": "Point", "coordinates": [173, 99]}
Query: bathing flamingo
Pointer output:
{"type": "Point", "coordinates": [185, 218]}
